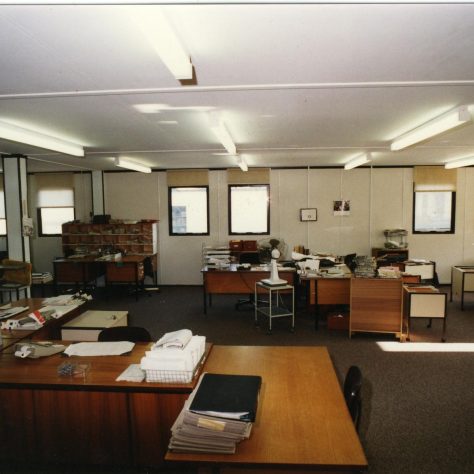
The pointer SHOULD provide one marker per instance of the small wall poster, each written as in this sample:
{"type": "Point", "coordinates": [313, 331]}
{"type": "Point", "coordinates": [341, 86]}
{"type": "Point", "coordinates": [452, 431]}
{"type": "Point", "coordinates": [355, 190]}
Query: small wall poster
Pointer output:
{"type": "Point", "coordinates": [342, 208]}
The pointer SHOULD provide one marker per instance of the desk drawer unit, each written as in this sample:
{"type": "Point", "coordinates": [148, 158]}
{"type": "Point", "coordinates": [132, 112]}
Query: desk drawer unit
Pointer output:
{"type": "Point", "coordinates": [462, 281]}
{"type": "Point", "coordinates": [88, 325]}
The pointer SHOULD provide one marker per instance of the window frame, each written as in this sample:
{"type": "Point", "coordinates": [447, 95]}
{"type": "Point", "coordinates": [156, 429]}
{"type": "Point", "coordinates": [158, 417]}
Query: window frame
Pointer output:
{"type": "Point", "coordinates": [436, 232]}
{"type": "Point", "coordinates": [39, 219]}
{"type": "Point", "coordinates": [229, 210]}
{"type": "Point", "coordinates": [170, 212]}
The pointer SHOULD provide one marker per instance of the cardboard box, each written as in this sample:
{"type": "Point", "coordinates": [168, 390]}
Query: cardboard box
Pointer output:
{"type": "Point", "coordinates": [338, 322]}
{"type": "Point", "coordinates": [87, 326]}
{"type": "Point", "coordinates": [249, 245]}
{"type": "Point", "coordinates": [235, 244]}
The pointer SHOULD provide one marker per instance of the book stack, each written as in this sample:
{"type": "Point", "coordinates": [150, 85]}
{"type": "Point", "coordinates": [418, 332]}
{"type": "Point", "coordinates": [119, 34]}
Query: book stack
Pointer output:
{"type": "Point", "coordinates": [216, 257]}
{"type": "Point", "coordinates": [217, 415]}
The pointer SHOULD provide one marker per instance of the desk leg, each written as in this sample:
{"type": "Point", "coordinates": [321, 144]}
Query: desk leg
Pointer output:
{"type": "Point", "coordinates": [204, 299]}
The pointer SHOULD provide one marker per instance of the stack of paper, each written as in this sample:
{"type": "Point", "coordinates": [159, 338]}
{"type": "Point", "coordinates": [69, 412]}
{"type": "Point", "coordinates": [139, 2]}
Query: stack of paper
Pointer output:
{"type": "Point", "coordinates": [174, 357]}
{"type": "Point", "coordinates": [217, 415]}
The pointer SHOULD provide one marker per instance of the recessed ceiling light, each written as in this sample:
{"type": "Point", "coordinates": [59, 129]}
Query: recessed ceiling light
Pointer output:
{"type": "Point", "coordinates": [168, 122]}
{"type": "Point", "coordinates": [158, 108]}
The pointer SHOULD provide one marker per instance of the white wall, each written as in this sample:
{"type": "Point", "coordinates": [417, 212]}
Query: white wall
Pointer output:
{"type": "Point", "coordinates": [380, 198]}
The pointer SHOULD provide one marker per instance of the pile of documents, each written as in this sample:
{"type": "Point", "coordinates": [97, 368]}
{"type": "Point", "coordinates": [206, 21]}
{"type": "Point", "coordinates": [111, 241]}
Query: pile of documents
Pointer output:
{"type": "Point", "coordinates": [217, 415]}
{"type": "Point", "coordinates": [174, 358]}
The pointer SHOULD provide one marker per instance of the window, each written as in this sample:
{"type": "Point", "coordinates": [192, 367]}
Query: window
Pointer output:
{"type": "Point", "coordinates": [50, 219]}
{"type": "Point", "coordinates": [433, 212]}
{"type": "Point", "coordinates": [249, 209]}
{"type": "Point", "coordinates": [188, 210]}
{"type": "Point", "coordinates": [55, 207]}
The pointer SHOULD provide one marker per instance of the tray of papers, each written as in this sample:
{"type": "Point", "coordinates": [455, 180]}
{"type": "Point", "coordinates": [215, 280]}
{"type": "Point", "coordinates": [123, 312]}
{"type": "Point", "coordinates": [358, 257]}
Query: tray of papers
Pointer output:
{"type": "Point", "coordinates": [173, 376]}
{"type": "Point", "coordinates": [169, 376]}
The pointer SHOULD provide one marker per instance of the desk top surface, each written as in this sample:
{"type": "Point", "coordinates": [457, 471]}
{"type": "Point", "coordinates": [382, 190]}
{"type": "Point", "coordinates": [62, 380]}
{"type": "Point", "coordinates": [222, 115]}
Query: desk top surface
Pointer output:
{"type": "Point", "coordinates": [302, 419]}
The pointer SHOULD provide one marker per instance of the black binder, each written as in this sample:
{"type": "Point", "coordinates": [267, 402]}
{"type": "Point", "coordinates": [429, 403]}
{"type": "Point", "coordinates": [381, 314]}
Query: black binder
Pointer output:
{"type": "Point", "coordinates": [227, 396]}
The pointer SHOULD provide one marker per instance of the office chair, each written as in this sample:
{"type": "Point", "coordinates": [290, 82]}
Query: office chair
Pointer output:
{"type": "Point", "coordinates": [124, 333]}
{"type": "Point", "coordinates": [254, 259]}
{"type": "Point", "coordinates": [352, 395]}
{"type": "Point", "coordinates": [16, 277]}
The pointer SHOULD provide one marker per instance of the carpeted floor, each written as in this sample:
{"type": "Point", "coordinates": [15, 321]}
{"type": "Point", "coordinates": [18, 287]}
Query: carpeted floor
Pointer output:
{"type": "Point", "coordinates": [418, 407]}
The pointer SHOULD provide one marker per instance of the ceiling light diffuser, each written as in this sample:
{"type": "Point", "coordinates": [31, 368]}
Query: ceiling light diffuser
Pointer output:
{"type": "Point", "coordinates": [468, 161]}
{"type": "Point", "coordinates": [222, 134]}
{"type": "Point", "coordinates": [447, 121]}
{"type": "Point", "coordinates": [242, 163]}
{"type": "Point", "coordinates": [358, 161]}
{"type": "Point", "coordinates": [18, 134]}
{"type": "Point", "coordinates": [131, 165]}
{"type": "Point", "coordinates": [159, 33]}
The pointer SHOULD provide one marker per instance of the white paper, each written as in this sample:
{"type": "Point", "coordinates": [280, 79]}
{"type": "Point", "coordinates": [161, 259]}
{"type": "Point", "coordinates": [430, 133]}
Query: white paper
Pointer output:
{"type": "Point", "coordinates": [99, 348]}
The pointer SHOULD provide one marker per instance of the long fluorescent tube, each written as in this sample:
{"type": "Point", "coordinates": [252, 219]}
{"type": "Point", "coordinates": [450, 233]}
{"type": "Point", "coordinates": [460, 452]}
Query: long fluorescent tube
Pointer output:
{"type": "Point", "coordinates": [131, 165]}
{"type": "Point", "coordinates": [30, 137]}
{"type": "Point", "coordinates": [460, 163]}
{"type": "Point", "coordinates": [159, 33]}
{"type": "Point", "coordinates": [222, 134]}
{"type": "Point", "coordinates": [242, 163]}
{"type": "Point", "coordinates": [441, 124]}
{"type": "Point", "coordinates": [357, 161]}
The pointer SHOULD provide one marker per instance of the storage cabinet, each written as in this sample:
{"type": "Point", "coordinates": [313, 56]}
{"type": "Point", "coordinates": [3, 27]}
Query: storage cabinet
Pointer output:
{"type": "Point", "coordinates": [137, 238]}
{"type": "Point", "coordinates": [376, 305]}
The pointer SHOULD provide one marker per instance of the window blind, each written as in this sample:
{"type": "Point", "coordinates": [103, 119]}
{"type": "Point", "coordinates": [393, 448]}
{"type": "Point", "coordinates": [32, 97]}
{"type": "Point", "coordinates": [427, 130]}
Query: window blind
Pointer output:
{"type": "Point", "coordinates": [253, 176]}
{"type": "Point", "coordinates": [187, 178]}
{"type": "Point", "coordinates": [434, 178]}
{"type": "Point", "coordinates": [55, 190]}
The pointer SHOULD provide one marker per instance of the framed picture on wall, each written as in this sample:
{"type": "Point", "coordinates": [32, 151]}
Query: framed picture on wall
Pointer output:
{"type": "Point", "coordinates": [342, 208]}
{"type": "Point", "coordinates": [308, 214]}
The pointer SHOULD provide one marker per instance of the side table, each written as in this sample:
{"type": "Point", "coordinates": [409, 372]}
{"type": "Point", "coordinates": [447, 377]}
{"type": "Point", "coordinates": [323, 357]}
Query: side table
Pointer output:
{"type": "Point", "coordinates": [275, 308]}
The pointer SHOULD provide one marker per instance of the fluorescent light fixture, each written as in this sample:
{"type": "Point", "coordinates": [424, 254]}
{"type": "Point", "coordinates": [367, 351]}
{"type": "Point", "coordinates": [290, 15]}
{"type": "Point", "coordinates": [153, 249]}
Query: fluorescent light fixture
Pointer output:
{"type": "Point", "coordinates": [18, 134]}
{"type": "Point", "coordinates": [222, 134]}
{"type": "Point", "coordinates": [358, 161]}
{"type": "Point", "coordinates": [242, 163]}
{"type": "Point", "coordinates": [468, 161]}
{"type": "Point", "coordinates": [159, 33]}
{"type": "Point", "coordinates": [447, 121]}
{"type": "Point", "coordinates": [131, 165]}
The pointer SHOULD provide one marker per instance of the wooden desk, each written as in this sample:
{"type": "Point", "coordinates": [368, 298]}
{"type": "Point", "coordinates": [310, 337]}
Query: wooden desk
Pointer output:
{"type": "Point", "coordinates": [328, 290]}
{"type": "Point", "coordinates": [376, 305]}
{"type": "Point", "coordinates": [128, 269]}
{"type": "Point", "coordinates": [79, 271]}
{"type": "Point", "coordinates": [232, 281]}
{"type": "Point", "coordinates": [462, 281]}
{"type": "Point", "coordinates": [50, 330]}
{"type": "Point", "coordinates": [47, 419]}
{"type": "Point", "coordinates": [302, 420]}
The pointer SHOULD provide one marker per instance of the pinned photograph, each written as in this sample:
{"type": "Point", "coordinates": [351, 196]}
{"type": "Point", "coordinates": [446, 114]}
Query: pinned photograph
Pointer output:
{"type": "Point", "coordinates": [342, 208]}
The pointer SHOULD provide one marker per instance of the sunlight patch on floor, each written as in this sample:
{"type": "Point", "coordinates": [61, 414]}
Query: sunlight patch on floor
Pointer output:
{"type": "Point", "coordinates": [389, 346]}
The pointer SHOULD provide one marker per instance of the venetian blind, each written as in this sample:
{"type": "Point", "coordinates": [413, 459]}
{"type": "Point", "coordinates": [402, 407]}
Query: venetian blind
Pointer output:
{"type": "Point", "coordinates": [253, 176]}
{"type": "Point", "coordinates": [188, 178]}
{"type": "Point", "coordinates": [55, 189]}
{"type": "Point", "coordinates": [434, 178]}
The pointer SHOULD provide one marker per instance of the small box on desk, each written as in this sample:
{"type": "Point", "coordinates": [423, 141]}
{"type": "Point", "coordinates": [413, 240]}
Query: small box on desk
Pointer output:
{"type": "Point", "coordinates": [235, 244]}
{"type": "Point", "coordinates": [87, 326]}
{"type": "Point", "coordinates": [249, 245]}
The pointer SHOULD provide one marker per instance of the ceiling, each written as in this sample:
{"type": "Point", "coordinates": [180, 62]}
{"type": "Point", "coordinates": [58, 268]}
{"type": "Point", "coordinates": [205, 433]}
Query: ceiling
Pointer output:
{"type": "Point", "coordinates": [296, 85]}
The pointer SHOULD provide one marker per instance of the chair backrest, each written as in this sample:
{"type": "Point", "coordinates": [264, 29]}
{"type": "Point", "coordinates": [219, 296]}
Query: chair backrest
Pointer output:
{"type": "Point", "coordinates": [124, 333]}
{"type": "Point", "coordinates": [352, 393]}
{"type": "Point", "coordinates": [19, 273]}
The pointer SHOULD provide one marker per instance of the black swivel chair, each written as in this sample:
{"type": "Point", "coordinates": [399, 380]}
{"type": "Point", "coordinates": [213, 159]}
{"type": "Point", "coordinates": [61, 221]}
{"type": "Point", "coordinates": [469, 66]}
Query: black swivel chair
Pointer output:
{"type": "Point", "coordinates": [254, 259]}
{"type": "Point", "coordinates": [124, 333]}
{"type": "Point", "coordinates": [352, 395]}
